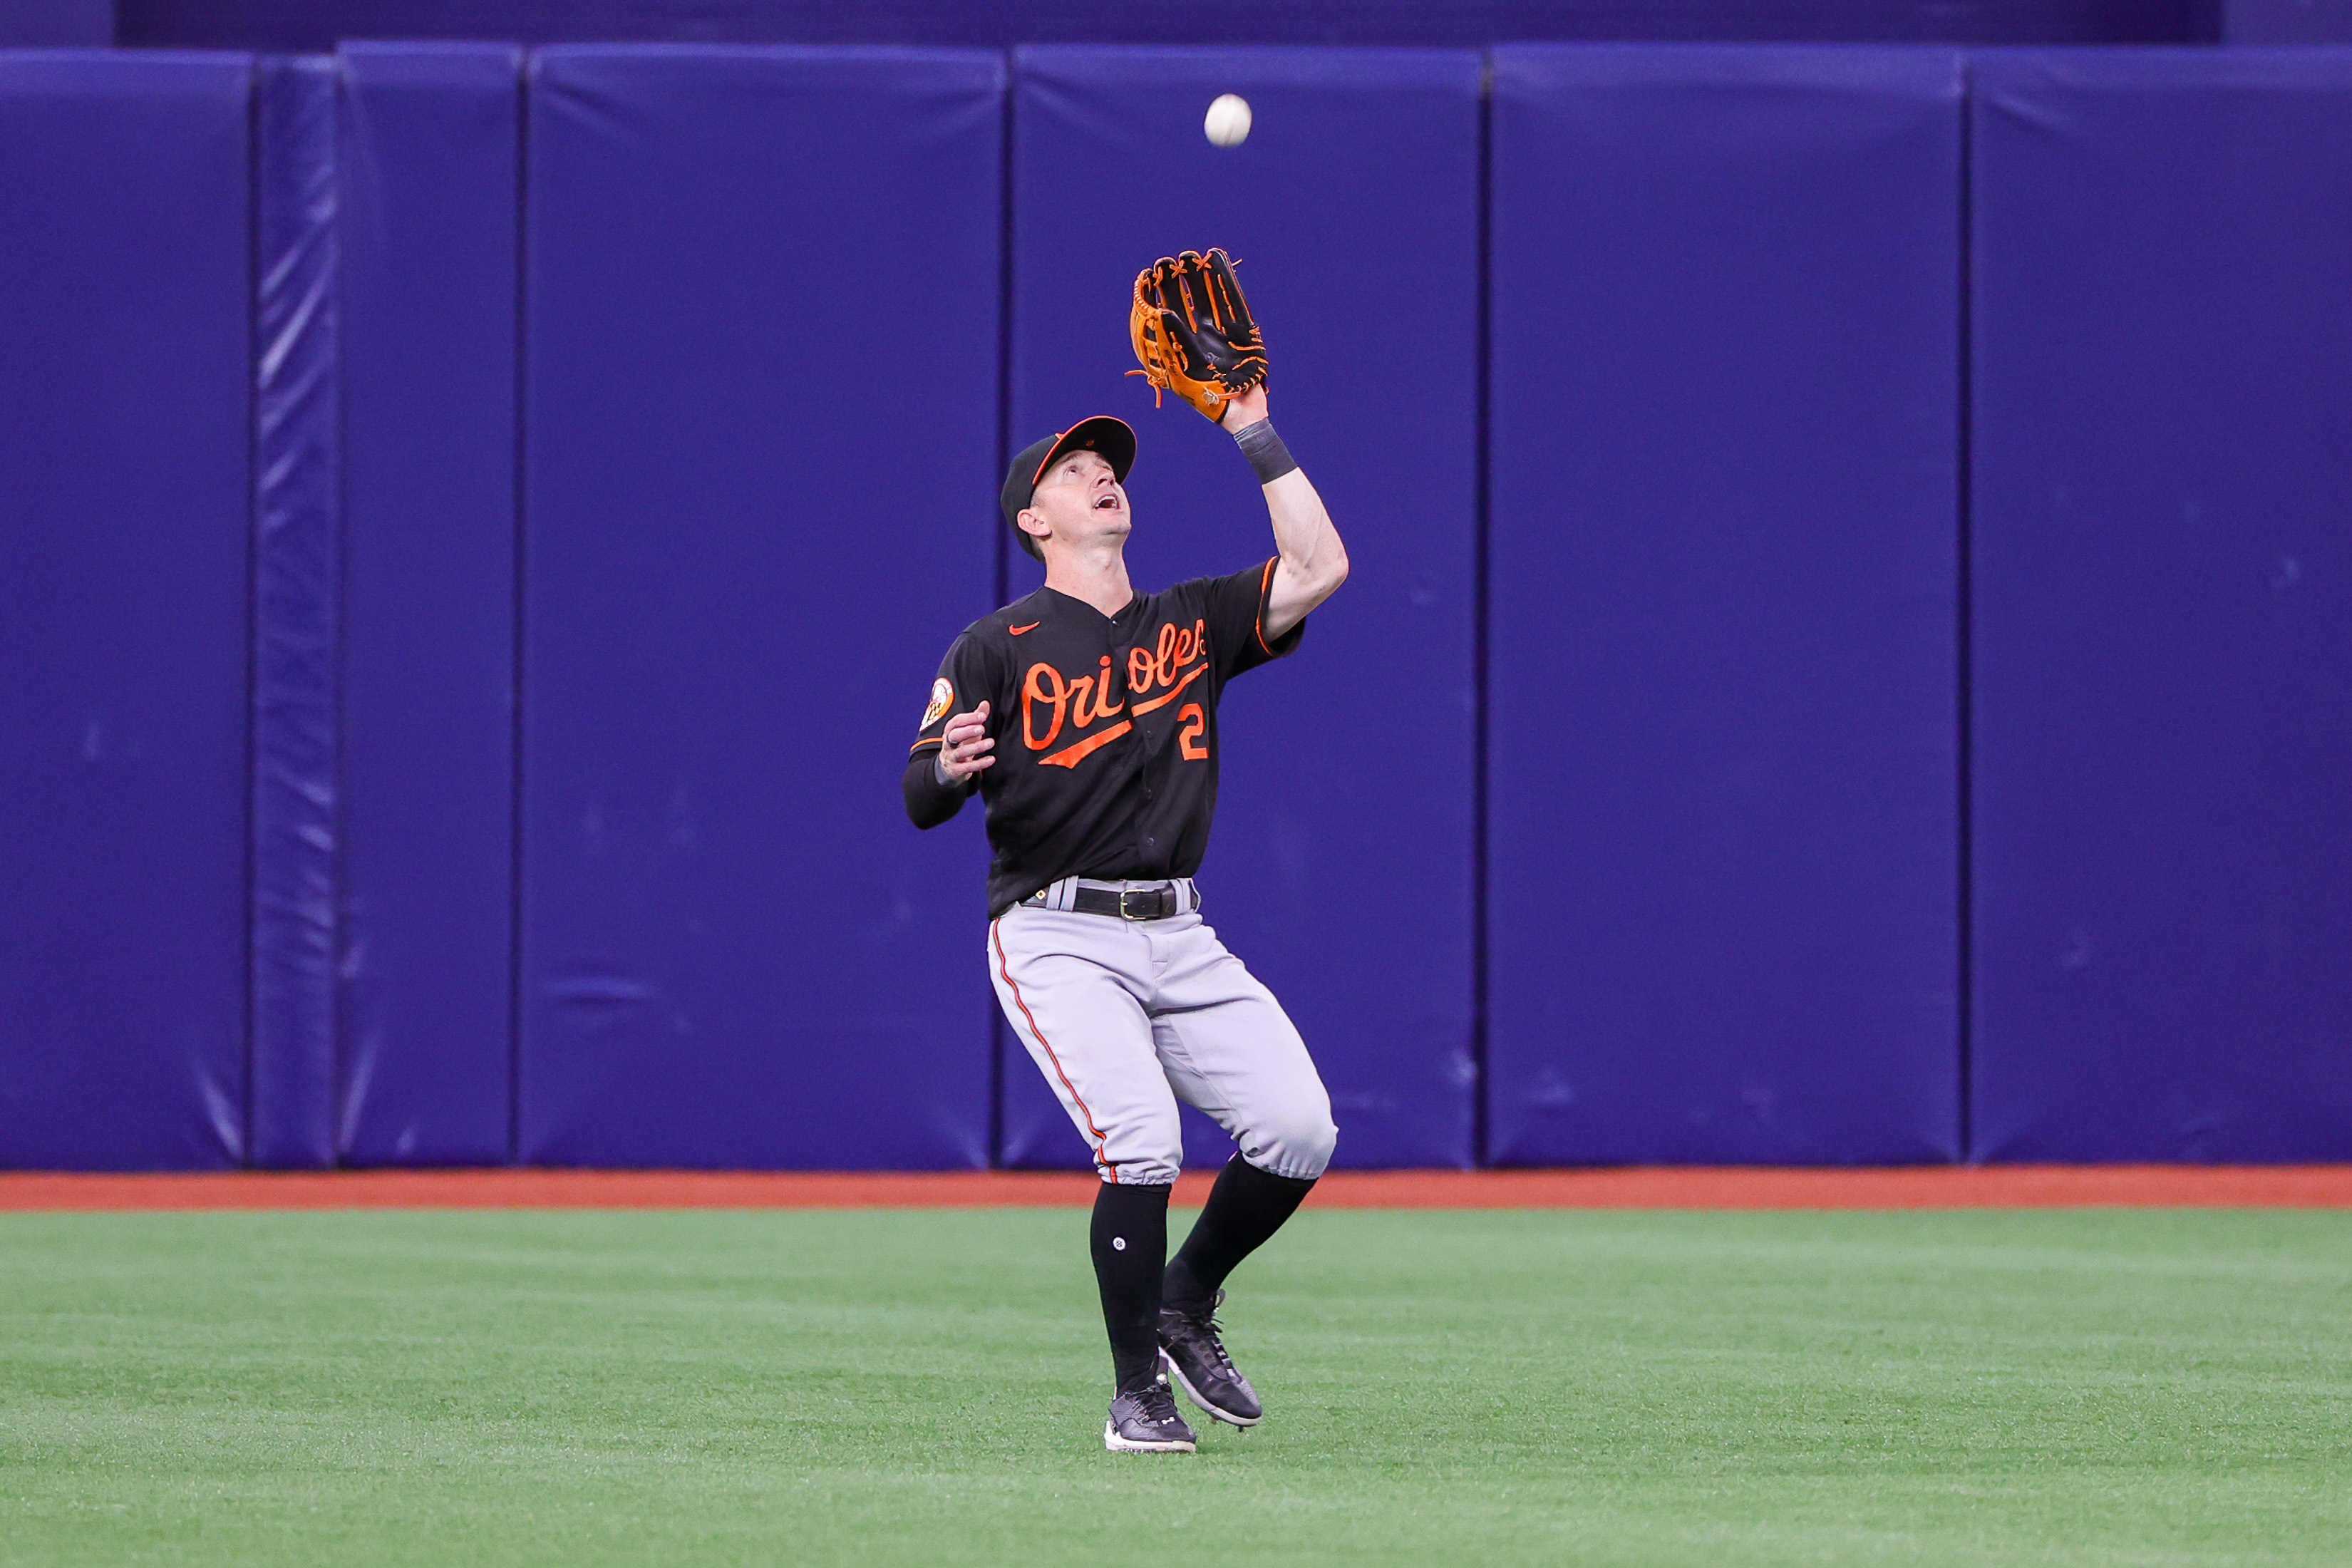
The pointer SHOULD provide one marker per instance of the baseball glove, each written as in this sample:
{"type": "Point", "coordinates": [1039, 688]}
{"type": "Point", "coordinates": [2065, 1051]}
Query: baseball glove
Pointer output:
{"type": "Point", "coordinates": [1193, 331]}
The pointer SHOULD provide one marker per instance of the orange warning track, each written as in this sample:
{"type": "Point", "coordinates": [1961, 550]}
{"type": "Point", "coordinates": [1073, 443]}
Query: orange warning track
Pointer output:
{"type": "Point", "coordinates": [1639, 1187]}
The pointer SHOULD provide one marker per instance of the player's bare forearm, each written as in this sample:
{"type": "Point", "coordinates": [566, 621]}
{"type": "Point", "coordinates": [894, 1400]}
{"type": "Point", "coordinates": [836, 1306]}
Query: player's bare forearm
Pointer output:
{"type": "Point", "coordinates": [1314, 562]}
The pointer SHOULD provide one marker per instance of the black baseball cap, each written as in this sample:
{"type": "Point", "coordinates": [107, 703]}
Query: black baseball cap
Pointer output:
{"type": "Point", "coordinates": [1111, 437]}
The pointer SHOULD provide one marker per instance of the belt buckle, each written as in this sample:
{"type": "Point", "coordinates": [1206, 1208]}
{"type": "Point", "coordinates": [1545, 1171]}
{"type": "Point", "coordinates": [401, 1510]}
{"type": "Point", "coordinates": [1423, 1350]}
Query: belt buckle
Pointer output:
{"type": "Point", "coordinates": [1127, 893]}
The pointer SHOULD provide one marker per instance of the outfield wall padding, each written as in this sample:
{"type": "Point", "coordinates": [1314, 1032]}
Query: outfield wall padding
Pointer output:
{"type": "Point", "coordinates": [59, 24]}
{"type": "Point", "coordinates": [737, 581]}
{"type": "Point", "coordinates": [2286, 21]}
{"type": "Point", "coordinates": [319, 24]}
{"type": "Point", "coordinates": [2162, 589]}
{"type": "Point", "coordinates": [463, 609]}
{"type": "Point", "coordinates": [429, 150]}
{"type": "Point", "coordinates": [1341, 866]}
{"type": "Point", "coordinates": [125, 407]}
{"type": "Point", "coordinates": [296, 541]}
{"type": "Point", "coordinates": [1726, 334]}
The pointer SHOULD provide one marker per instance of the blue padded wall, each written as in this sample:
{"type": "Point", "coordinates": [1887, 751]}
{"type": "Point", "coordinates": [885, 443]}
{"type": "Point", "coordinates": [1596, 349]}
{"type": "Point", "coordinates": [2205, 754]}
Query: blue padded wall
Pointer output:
{"type": "Point", "coordinates": [1340, 870]}
{"type": "Point", "coordinates": [57, 24]}
{"type": "Point", "coordinates": [295, 537]}
{"type": "Point", "coordinates": [125, 338]}
{"type": "Point", "coordinates": [319, 24]}
{"type": "Point", "coordinates": [2162, 594]}
{"type": "Point", "coordinates": [429, 149]}
{"type": "Point", "coordinates": [2286, 22]}
{"type": "Point", "coordinates": [474, 542]}
{"type": "Point", "coordinates": [1723, 873]}
{"type": "Point", "coordinates": [761, 463]}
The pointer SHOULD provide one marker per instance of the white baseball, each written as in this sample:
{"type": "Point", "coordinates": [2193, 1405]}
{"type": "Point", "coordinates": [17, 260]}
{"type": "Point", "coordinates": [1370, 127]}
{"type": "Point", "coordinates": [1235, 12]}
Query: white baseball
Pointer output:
{"type": "Point", "coordinates": [1228, 123]}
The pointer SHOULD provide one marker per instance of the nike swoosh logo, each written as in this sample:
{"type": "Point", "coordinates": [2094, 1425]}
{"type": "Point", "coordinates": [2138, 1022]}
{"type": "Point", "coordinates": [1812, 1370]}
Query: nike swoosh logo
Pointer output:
{"type": "Point", "coordinates": [1032, 626]}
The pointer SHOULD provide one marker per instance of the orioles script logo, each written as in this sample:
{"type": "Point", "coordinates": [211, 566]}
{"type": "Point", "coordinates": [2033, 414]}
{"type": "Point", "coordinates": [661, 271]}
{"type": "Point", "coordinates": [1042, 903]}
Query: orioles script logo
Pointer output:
{"type": "Point", "coordinates": [1050, 699]}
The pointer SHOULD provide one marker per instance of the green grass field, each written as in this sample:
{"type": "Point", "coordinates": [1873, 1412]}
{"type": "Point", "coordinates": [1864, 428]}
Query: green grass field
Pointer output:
{"type": "Point", "coordinates": [886, 1387]}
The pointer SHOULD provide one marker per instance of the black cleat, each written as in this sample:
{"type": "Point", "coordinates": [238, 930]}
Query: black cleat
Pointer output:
{"type": "Point", "coordinates": [1195, 1357]}
{"type": "Point", "coordinates": [1146, 1421]}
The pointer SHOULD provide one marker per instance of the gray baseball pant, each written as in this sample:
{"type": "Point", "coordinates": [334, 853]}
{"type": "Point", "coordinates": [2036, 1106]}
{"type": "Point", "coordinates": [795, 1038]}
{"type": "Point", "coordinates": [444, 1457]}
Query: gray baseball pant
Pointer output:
{"type": "Point", "coordinates": [1125, 1017]}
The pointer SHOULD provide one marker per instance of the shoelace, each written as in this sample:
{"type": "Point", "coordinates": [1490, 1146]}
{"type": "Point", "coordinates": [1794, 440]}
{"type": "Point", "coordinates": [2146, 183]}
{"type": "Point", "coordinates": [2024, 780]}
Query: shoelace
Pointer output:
{"type": "Point", "coordinates": [1156, 1404]}
{"type": "Point", "coordinates": [1204, 1325]}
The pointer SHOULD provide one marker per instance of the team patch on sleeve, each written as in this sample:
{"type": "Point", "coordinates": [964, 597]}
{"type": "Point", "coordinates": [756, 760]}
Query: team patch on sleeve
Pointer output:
{"type": "Point", "coordinates": [942, 699]}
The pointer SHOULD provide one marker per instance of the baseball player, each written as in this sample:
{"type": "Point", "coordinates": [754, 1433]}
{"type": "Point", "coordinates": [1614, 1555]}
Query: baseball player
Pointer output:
{"type": "Point", "coordinates": [1086, 716]}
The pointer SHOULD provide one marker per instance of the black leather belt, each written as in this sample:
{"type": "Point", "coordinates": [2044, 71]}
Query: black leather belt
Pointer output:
{"type": "Point", "coordinates": [1128, 904]}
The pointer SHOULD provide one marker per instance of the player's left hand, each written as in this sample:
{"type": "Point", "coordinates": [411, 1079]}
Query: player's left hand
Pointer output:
{"type": "Point", "coordinates": [1194, 332]}
{"type": "Point", "coordinates": [966, 745]}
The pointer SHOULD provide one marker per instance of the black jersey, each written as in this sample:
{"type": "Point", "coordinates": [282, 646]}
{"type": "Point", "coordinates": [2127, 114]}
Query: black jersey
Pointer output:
{"type": "Point", "coordinates": [1106, 729]}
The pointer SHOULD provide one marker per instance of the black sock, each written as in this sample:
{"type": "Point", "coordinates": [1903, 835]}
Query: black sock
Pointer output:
{"type": "Point", "coordinates": [1129, 1240]}
{"type": "Point", "coordinates": [1245, 1208]}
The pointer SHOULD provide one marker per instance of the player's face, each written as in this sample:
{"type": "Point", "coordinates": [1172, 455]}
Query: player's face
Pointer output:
{"type": "Point", "coordinates": [1080, 500]}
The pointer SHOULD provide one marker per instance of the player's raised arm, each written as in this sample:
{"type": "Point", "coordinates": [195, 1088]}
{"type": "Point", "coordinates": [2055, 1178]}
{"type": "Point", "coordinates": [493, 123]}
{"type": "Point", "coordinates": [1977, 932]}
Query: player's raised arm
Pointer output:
{"type": "Point", "coordinates": [1313, 563]}
{"type": "Point", "coordinates": [1194, 335]}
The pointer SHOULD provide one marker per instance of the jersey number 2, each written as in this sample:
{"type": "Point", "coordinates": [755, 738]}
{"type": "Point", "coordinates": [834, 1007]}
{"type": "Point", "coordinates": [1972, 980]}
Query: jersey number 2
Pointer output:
{"type": "Point", "coordinates": [1188, 738]}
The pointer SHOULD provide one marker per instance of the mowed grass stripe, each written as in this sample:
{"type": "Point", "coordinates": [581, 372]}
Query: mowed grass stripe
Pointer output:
{"type": "Point", "coordinates": [926, 1387]}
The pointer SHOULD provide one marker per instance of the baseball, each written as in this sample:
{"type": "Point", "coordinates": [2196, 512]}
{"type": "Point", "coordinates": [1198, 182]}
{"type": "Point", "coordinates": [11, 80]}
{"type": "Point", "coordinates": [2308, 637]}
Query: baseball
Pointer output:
{"type": "Point", "coordinates": [1228, 123]}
